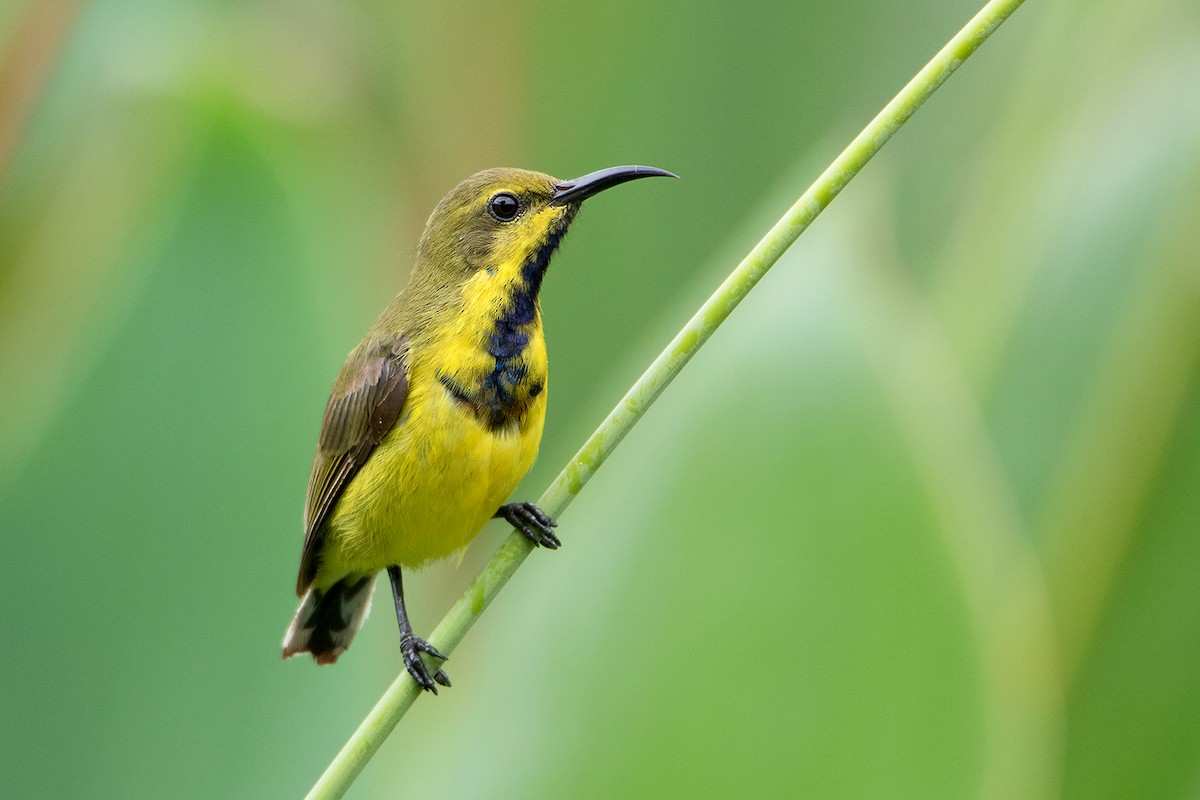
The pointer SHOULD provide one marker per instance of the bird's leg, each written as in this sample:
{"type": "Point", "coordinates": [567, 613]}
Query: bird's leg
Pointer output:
{"type": "Point", "coordinates": [531, 521]}
{"type": "Point", "coordinates": [411, 645]}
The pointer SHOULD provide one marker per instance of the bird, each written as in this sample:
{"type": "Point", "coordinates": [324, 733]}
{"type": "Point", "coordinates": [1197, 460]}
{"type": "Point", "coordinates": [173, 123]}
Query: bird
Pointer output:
{"type": "Point", "coordinates": [437, 414]}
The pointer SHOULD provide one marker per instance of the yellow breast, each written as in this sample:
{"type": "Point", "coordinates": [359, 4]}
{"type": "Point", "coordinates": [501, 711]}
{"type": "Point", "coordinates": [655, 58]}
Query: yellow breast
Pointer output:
{"type": "Point", "coordinates": [440, 474]}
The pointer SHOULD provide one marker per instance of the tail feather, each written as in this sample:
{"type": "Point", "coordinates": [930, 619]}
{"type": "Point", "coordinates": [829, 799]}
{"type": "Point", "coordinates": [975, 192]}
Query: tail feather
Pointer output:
{"type": "Point", "coordinates": [327, 620]}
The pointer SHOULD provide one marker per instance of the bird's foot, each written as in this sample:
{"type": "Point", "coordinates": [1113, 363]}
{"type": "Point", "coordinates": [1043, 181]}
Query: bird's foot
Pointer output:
{"type": "Point", "coordinates": [533, 522]}
{"type": "Point", "coordinates": [411, 648]}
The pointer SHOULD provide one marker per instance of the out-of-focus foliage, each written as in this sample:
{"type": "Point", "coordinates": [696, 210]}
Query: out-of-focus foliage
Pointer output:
{"type": "Point", "coordinates": [922, 521]}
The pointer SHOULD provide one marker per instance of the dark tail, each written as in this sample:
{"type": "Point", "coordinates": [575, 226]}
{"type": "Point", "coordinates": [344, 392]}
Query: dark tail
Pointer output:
{"type": "Point", "coordinates": [327, 620]}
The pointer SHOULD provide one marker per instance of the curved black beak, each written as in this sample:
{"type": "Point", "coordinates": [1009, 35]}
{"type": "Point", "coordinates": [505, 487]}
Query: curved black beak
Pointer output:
{"type": "Point", "coordinates": [585, 186]}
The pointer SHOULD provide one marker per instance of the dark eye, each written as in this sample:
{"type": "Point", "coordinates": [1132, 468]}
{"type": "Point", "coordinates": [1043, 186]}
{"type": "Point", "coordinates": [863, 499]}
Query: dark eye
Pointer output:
{"type": "Point", "coordinates": [504, 206]}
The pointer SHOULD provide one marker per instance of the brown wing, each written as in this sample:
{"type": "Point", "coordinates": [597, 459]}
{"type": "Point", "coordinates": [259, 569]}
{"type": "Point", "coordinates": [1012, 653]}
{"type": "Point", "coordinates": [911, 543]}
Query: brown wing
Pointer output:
{"type": "Point", "coordinates": [366, 401]}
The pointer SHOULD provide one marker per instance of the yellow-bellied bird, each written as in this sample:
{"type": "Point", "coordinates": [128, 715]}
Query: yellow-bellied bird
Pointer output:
{"type": "Point", "coordinates": [438, 412]}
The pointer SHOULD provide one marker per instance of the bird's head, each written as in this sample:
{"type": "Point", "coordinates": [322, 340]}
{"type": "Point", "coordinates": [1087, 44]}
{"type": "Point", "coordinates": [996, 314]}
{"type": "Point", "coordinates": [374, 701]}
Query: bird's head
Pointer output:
{"type": "Point", "coordinates": [504, 224]}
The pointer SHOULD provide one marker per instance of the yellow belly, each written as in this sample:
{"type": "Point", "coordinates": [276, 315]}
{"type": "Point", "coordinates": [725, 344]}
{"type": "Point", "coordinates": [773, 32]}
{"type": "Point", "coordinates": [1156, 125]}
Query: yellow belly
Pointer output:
{"type": "Point", "coordinates": [429, 486]}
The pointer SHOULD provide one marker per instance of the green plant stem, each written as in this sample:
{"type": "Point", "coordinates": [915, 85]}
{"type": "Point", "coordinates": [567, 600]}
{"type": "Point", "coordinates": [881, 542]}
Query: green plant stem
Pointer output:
{"type": "Point", "coordinates": [383, 718]}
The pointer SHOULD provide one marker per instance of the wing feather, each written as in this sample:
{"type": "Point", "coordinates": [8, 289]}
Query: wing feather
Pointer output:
{"type": "Point", "coordinates": [367, 399]}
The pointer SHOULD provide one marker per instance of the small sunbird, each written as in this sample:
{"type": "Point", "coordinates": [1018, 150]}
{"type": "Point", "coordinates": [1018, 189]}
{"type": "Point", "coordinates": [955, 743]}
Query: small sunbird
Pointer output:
{"type": "Point", "coordinates": [437, 413]}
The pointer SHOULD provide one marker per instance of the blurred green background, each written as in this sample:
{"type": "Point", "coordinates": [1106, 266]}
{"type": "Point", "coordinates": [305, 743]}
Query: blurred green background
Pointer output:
{"type": "Point", "coordinates": [922, 521]}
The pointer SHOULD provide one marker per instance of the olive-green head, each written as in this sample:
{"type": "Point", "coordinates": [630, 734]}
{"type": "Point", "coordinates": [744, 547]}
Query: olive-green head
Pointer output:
{"type": "Point", "coordinates": [501, 219]}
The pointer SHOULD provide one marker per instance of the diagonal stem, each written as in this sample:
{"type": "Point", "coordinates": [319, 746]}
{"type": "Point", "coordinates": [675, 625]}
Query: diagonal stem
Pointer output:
{"type": "Point", "coordinates": [382, 719]}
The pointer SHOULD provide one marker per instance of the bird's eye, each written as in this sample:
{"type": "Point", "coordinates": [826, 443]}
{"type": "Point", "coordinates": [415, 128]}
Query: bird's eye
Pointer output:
{"type": "Point", "coordinates": [504, 207]}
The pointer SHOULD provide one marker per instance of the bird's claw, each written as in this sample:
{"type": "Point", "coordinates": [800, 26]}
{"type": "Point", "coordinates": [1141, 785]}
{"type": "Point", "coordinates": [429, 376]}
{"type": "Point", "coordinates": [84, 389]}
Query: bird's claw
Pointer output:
{"type": "Point", "coordinates": [530, 520]}
{"type": "Point", "coordinates": [411, 648]}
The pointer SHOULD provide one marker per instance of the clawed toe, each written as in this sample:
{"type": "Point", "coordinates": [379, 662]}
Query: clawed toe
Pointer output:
{"type": "Point", "coordinates": [411, 648]}
{"type": "Point", "coordinates": [530, 520]}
